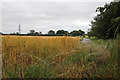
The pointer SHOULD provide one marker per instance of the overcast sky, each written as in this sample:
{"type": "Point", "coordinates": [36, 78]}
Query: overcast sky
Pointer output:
{"type": "Point", "coordinates": [44, 16]}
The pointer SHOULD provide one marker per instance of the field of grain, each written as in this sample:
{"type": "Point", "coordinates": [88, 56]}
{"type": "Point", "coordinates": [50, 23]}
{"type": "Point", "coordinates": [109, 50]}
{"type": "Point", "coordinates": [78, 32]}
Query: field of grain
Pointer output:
{"type": "Point", "coordinates": [59, 57]}
{"type": "Point", "coordinates": [19, 52]}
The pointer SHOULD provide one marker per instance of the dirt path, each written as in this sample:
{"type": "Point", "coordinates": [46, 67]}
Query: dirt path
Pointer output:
{"type": "Point", "coordinates": [100, 49]}
{"type": "Point", "coordinates": [85, 40]}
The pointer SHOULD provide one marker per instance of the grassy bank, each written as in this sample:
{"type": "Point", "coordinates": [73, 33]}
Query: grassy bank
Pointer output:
{"type": "Point", "coordinates": [111, 68]}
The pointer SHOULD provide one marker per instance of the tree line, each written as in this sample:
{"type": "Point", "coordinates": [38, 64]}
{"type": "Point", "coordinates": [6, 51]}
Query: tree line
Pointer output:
{"type": "Point", "coordinates": [106, 24]}
{"type": "Point", "coordinates": [53, 33]}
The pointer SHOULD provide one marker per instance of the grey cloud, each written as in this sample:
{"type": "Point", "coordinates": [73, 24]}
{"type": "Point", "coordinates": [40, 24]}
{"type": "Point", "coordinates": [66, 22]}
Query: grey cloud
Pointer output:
{"type": "Point", "coordinates": [43, 16]}
{"type": "Point", "coordinates": [56, 0]}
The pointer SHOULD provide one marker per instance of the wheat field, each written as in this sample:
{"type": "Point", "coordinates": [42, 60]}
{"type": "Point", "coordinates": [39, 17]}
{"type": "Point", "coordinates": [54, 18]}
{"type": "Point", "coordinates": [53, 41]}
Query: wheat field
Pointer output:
{"type": "Point", "coordinates": [20, 53]}
{"type": "Point", "coordinates": [58, 57]}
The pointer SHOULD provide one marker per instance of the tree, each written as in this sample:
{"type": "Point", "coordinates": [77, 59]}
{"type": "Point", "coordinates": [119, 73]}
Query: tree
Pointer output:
{"type": "Point", "coordinates": [106, 24]}
{"type": "Point", "coordinates": [51, 32]}
{"type": "Point", "coordinates": [40, 33]}
{"type": "Point", "coordinates": [77, 33]}
{"type": "Point", "coordinates": [66, 33]}
{"type": "Point", "coordinates": [81, 32]}
{"type": "Point", "coordinates": [32, 32]}
{"type": "Point", "coordinates": [14, 33]}
{"type": "Point", "coordinates": [36, 34]}
{"type": "Point", "coordinates": [74, 33]}
{"type": "Point", "coordinates": [1, 33]}
{"type": "Point", "coordinates": [62, 32]}
{"type": "Point", "coordinates": [17, 33]}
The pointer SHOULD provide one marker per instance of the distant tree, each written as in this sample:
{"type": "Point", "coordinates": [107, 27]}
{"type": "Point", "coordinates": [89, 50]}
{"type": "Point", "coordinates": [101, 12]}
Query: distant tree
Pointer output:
{"type": "Point", "coordinates": [1, 33]}
{"type": "Point", "coordinates": [74, 33]}
{"type": "Point", "coordinates": [81, 32]}
{"type": "Point", "coordinates": [77, 33]}
{"type": "Point", "coordinates": [32, 32]}
{"type": "Point", "coordinates": [14, 33]}
{"type": "Point", "coordinates": [62, 32]}
{"type": "Point", "coordinates": [17, 33]}
{"type": "Point", "coordinates": [66, 33]}
{"type": "Point", "coordinates": [40, 33]}
{"type": "Point", "coordinates": [51, 32]}
{"type": "Point", "coordinates": [36, 34]}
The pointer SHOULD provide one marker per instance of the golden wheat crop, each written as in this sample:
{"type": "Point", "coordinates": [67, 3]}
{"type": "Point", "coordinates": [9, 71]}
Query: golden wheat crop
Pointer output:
{"type": "Point", "coordinates": [27, 50]}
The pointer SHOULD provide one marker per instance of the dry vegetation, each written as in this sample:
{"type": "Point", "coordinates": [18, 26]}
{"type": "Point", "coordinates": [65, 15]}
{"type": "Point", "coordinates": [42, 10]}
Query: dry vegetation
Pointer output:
{"type": "Point", "coordinates": [23, 52]}
{"type": "Point", "coordinates": [57, 57]}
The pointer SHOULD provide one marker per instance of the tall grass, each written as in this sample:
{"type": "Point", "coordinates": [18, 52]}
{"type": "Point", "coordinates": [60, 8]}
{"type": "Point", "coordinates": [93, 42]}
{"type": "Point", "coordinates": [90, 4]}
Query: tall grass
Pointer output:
{"type": "Point", "coordinates": [111, 68]}
{"type": "Point", "coordinates": [59, 57]}
{"type": "Point", "coordinates": [22, 53]}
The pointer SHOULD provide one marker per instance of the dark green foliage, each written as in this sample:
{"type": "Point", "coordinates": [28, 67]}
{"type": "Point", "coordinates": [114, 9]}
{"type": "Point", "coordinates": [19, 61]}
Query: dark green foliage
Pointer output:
{"type": "Point", "coordinates": [33, 33]}
{"type": "Point", "coordinates": [77, 33]}
{"type": "Point", "coordinates": [62, 32]}
{"type": "Point", "coordinates": [106, 24]}
{"type": "Point", "coordinates": [14, 33]}
{"type": "Point", "coordinates": [36, 33]}
{"type": "Point", "coordinates": [1, 33]}
{"type": "Point", "coordinates": [51, 32]}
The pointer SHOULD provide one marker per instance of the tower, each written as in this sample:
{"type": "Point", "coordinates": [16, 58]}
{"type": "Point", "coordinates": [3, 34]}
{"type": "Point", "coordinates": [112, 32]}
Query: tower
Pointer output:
{"type": "Point", "coordinates": [19, 29]}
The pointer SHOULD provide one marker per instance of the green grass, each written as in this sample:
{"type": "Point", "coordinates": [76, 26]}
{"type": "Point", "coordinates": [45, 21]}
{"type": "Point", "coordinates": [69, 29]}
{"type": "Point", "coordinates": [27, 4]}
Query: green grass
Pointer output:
{"type": "Point", "coordinates": [110, 69]}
